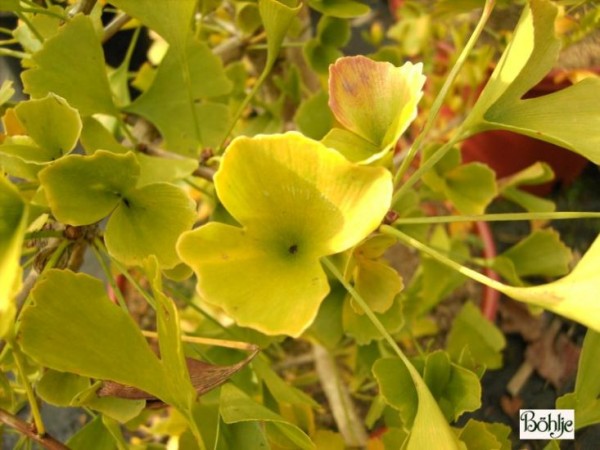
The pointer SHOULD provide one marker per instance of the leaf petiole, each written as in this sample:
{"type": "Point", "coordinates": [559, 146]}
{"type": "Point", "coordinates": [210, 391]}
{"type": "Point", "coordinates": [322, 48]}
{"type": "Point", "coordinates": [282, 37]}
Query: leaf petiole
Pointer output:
{"type": "Point", "coordinates": [126, 274]}
{"type": "Point", "coordinates": [436, 107]}
{"type": "Point", "coordinates": [506, 217]}
{"type": "Point", "coordinates": [35, 410]}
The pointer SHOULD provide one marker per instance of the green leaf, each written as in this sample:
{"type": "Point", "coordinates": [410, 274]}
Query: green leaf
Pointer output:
{"type": "Point", "coordinates": [21, 157]}
{"type": "Point", "coordinates": [13, 223]}
{"type": "Point", "coordinates": [277, 17]}
{"type": "Point", "coordinates": [179, 119]}
{"type": "Point", "coordinates": [351, 145]}
{"type": "Point", "coordinates": [313, 117]}
{"type": "Point", "coordinates": [456, 389]}
{"type": "Point", "coordinates": [564, 118]}
{"type": "Point", "coordinates": [485, 436]}
{"type": "Point", "coordinates": [327, 327]}
{"type": "Point", "coordinates": [535, 174]}
{"type": "Point", "coordinates": [10, 5]}
{"type": "Point", "coordinates": [71, 65]}
{"type": "Point", "coordinates": [172, 19]}
{"type": "Point", "coordinates": [397, 388]}
{"type": "Point", "coordinates": [585, 400]}
{"type": "Point", "coordinates": [95, 136]}
{"type": "Point", "coordinates": [93, 435]}
{"type": "Point", "coordinates": [119, 409]}
{"type": "Point", "coordinates": [541, 253]}
{"type": "Point", "coordinates": [313, 203]}
{"type": "Point", "coordinates": [360, 327]}
{"type": "Point", "coordinates": [320, 56]}
{"type": "Point", "coordinates": [345, 9]}
{"type": "Point", "coordinates": [249, 435]}
{"type": "Point", "coordinates": [404, 389]}
{"type": "Point", "coordinates": [236, 406]}
{"type": "Point", "coordinates": [471, 188]}
{"type": "Point", "coordinates": [333, 31]}
{"type": "Point", "coordinates": [470, 330]}
{"type": "Point", "coordinates": [163, 170]}
{"type": "Point", "coordinates": [571, 296]}
{"type": "Point", "coordinates": [58, 332]}
{"type": "Point", "coordinates": [84, 189]}
{"type": "Point", "coordinates": [170, 345]}
{"type": "Point", "coordinates": [375, 100]}
{"type": "Point", "coordinates": [148, 221]}
{"type": "Point", "coordinates": [377, 283]}
{"type": "Point", "coordinates": [60, 388]}
{"type": "Point", "coordinates": [6, 91]}
{"type": "Point", "coordinates": [282, 392]}
{"type": "Point", "coordinates": [51, 123]}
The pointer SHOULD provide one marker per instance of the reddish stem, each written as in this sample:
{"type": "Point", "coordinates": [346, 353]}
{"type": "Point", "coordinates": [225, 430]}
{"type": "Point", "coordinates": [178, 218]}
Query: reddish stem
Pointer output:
{"type": "Point", "coordinates": [46, 441]}
{"type": "Point", "coordinates": [491, 297]}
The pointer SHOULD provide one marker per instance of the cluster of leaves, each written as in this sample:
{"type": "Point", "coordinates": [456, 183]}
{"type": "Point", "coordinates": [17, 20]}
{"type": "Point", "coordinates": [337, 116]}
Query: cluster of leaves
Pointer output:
{"type": "Point", "coordinates": [178, 175]}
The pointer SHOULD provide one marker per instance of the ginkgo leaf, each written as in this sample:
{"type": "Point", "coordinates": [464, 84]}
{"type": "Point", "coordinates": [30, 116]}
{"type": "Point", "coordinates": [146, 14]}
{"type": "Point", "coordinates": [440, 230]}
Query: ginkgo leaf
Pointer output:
{"type": "Point", "coordinates": [13, 222]}
{"type": "Point", "coordinates": [573, 296]}
{"type": "Point", "coordinates": [51, 123]}
{"type": "Point", "coordinates": [148, 221]}
{"type": "Point", "coordinates": [84, 189]}
{"type": "Point", "coordinates": [276, 17]}
{"type": "Point", "coordinates": [404, 389]}
{"type": "Point", "coordinates": [179, 119]}
{"type": "Point", "coordinates": [236, 406]}
{"type": "Point", "coordinates": [585, 399]}
{"type": "Point", "coordinates": [375, 100]}
{"type": "Point", "coordinates": [172, 19]}
{"type": "Point", "coordinates": [313, 203]}
{"type": "Point", "coordinates": [58, 331]}
{"type": "Point", "coordinates": [71, 65]}
{"type": "Point", "coordinates": [564, 118]}
{"type": "Point", "coordinates": [345, 9]}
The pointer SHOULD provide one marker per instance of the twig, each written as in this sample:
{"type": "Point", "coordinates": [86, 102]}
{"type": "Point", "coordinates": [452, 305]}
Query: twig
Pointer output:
{"type": "Point", "coordinates": [83, 6]}
{"type": "Point", "coordinates": [114, 26]}
{"type": "Point", "coordinates": [338, 397]}
{"type": "Point", "coordinates": [28, 430]}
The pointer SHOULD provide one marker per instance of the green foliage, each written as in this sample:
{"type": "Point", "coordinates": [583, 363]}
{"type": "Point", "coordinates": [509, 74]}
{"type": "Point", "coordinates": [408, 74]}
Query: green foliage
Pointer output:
{"type": "Point", "coordinates": [71, 65]}
{"type": "Point", "coordinates": [585, 399]}
{"type": "Point", "coordinates": [220, 231]}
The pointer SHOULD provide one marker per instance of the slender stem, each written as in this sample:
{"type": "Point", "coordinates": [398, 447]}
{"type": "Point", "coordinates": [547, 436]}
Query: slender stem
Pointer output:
{"type": "Point", "coordinates": [441, 97]}
{"type": "Point", "coordinates": [240, 111]}
{"type": "Point", "coordinates": [197, 187]}
{"type": "Point", "coordinates": [114, 26]}
{"type": "Point", "coordinates": [506, 217]}
{"type": "Point", "coordinates": [83, 6]}
{"type": "Point", "coordinates": [126, 274]}
{"type": "Point", "coordinates": [13, 53]}
{"type": "Point", "coordinates": [406, 239]}
{"type": "Point", "coordinates": [29, 24]}
{"type": "Point", "coordinates": [126, 130]}
{"type": "Point", "coordinates": [424, 168]}
{"type": "Point", "coordinates": [43, 11]}
{"type": "Point", "coordinates": [111, 279]}
{"type": "Point", "coordinates": [56, 255]}
{"type": "Point", "coordinates": [367, 310]}
{"type": "Point", "coordinates": [41, 234]}
{"type": "Point", "coordinates": [33, 404]}
{"type": "Point", "coordinates": [208, 341]}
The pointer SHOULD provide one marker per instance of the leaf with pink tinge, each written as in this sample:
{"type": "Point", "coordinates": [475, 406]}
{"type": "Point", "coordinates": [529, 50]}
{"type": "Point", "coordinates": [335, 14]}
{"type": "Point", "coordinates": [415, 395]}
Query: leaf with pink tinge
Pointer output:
{"type": "Point", "coordinates": [375, 100]}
